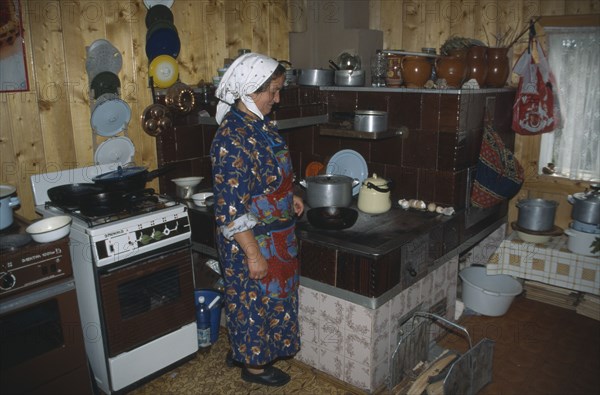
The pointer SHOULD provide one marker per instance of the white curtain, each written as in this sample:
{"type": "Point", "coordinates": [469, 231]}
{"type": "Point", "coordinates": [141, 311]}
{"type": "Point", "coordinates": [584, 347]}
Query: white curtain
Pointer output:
{"type": "Point", "coordinates": [574, 57]}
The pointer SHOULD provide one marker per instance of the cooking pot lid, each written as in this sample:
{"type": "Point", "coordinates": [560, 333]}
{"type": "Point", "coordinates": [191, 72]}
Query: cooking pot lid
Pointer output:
{"type": "Point", "coordinates": [162, 39]}
{"type": "Point", "coordinates": [6, 190]}
{"type": "Point", "coordinates": [110, 116]}
{"type": "Point", "coordinates": [105, 82]}
{"type": "Point", "coordinates": [164, 71]}
{"type": "Point", "coordinates": [378, 182]}
{"type": "Point", "coordinates": [592, 197]}
{"type": "Point", "coordinates": [329, 179]}
{"type": "Point", "coordinates": [158, 12]}
{"type": "Point", "coordinates": [115, 150]}
{"type": "Point", "coordinates": [120, 174]}
{"type": "Point", "coordinates": [102, 56]}
{"type": "Point", "coordinates": [151, 3]}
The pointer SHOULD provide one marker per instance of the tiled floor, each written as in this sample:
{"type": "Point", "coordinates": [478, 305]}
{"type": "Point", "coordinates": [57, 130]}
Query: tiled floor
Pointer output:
{"type": "Point", "coordinates": [540, 349]}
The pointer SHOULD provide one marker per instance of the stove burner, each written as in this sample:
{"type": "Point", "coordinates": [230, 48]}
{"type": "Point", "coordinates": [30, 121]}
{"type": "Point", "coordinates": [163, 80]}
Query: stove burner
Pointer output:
{"type": "Point", "coordinates": [10, 243]}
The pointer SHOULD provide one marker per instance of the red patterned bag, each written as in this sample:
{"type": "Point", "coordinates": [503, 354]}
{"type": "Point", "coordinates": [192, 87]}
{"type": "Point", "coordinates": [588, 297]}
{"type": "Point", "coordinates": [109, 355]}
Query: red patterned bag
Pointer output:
{"type": "Point", "coordinates": [499, 174]}
{"type": "Point", "coordinates": [535, 109]}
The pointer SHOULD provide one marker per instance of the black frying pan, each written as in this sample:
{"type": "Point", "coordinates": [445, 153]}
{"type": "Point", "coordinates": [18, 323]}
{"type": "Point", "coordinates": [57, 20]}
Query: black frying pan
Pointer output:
{"type": "Point", "coordinates": [111, 202]}
{"type": "Point", "coordinates": [70, 195]}
{"type": "Point", "coordinates": [332, 218]}
{"type": "Point", "coordinates": [129, 179]}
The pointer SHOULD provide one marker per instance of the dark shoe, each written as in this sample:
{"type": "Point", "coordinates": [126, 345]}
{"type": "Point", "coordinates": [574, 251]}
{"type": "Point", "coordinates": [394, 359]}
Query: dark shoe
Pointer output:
{"type": "Point", "coordinates": [230, 362]}
{"type": "Point", "coordinates": [271, 376]}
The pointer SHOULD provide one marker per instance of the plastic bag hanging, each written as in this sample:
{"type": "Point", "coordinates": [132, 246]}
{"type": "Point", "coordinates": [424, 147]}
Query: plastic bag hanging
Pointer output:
{"type": "Point", "coordinates": [535, 110]}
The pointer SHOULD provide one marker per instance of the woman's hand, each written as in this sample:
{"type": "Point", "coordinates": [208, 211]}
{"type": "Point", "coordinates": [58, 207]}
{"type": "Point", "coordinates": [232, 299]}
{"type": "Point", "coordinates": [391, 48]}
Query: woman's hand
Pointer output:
{"type": "Point", "coordinates": [257, 267]}
{"type": "Point", "coordinates": [298, 206]}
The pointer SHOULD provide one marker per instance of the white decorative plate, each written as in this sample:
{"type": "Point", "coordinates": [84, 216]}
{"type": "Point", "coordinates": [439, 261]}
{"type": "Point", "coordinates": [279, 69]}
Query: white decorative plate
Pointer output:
{"type": "Point", "coordinates": [115, 150]}
{"type": "Point", "coordinates": [349, 163]}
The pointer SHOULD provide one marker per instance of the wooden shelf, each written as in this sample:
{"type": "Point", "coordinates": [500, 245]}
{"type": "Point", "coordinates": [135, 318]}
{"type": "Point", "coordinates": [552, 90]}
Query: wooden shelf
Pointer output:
{"type": "Point", "coordinates": [336, 131]}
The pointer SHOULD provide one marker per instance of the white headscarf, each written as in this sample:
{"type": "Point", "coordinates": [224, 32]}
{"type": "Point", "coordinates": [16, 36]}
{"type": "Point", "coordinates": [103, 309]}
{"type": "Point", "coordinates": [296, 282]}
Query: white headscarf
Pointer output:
{"type": "Point", "coordinates": [246, 74]}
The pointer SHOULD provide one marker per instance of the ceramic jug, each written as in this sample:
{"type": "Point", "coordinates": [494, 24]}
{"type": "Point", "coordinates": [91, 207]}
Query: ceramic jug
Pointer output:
{"type": "Point", "coordinates": [477, 67]}
{"type": "Point", "coordinates": [393, 76]}
{"type": "Point", "coordinates": [415, 71]}
{"type": "Point", "coordinates": [498, 67]}
{"type": "Point", "coordinates": [452, 69]}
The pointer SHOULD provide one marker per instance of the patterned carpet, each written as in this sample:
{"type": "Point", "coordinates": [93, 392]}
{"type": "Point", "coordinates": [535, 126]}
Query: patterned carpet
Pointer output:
{"type": "Point", "coordinates": [207, 374]}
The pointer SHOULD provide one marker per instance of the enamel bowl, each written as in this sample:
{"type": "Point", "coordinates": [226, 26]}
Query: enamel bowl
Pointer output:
{"type": "Point", "coordinates": [50, 229]}
{"type": "Point", "coordinates": [200, 198]}
{"type": "Point", "coordinates": [187, 181]}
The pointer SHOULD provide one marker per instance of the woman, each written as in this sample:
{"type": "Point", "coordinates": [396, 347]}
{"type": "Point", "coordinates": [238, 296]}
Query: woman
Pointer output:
{"type": "Point", "coordinates": [255, 212]}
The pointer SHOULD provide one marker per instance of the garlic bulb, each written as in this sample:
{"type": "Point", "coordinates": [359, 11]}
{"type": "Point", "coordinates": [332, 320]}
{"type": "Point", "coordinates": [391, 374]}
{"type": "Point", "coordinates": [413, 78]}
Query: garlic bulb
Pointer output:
{"type": "Point", "coordinates": [431, 207]}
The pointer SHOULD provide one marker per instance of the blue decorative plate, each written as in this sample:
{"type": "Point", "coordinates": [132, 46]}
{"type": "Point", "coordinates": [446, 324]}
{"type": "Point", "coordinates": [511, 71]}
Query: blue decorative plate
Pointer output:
{"type": "Point", "coordinates": [349, 163]}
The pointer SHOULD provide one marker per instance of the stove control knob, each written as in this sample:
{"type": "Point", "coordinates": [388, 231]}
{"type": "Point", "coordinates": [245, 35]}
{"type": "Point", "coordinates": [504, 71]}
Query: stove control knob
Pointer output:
{"type": "Point", "coordinates": [7, 281]}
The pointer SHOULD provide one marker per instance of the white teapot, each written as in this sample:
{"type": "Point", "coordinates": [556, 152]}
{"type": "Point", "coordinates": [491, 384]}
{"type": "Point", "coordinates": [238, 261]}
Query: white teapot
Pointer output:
{"type": "Point", "coordinates": [374, 196]}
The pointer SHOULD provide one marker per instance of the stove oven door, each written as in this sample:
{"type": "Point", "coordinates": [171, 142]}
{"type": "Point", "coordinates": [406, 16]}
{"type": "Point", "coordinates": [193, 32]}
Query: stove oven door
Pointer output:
{"type": "Point", "coordinates": [41, 343]}
{"type": "Point", "coordinates": [147, 298]}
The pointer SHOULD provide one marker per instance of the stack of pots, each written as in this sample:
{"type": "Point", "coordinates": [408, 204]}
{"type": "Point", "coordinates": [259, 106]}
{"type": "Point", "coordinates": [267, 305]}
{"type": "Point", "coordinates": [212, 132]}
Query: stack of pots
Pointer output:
{"type": "Point", "coordinates": [585, 228]}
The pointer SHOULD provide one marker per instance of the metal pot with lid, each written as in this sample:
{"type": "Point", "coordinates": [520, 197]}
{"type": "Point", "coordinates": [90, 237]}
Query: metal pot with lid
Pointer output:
{"type": "Point", "coordinates": [586, 205]}
{"type": "Point", "coordinates": [536, 214]}
{"type": "Point", "coordinates": [329, 190]}
{"type": "Point", "coordinates": [374, 196]}
{"type": "Point", "coordinates": [7, 202]}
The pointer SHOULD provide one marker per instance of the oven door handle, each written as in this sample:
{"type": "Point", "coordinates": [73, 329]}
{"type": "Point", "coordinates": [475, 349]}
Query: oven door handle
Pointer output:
{"type": "Point", "coordinates": [31, 298]}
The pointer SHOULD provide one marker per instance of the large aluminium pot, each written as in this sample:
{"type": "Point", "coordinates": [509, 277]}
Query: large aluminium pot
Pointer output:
{"type": "Point", "coordinates": [370, 121]}
{"type": "Point", "coordinates": [315, 77]}
{"type": "Point", "coordinates": [7, 202]}
{"type": "Point", "coordinates": [329, 190]}
{"type": "Point", "coordinates": [586, 206]}
{"type": "Point", "coordinates": [536, 214]}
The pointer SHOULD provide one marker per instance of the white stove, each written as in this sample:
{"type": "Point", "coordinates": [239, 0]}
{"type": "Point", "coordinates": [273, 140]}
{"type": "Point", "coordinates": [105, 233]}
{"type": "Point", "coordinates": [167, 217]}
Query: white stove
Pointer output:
{"type": "Point", "coordinates": [134, 274]}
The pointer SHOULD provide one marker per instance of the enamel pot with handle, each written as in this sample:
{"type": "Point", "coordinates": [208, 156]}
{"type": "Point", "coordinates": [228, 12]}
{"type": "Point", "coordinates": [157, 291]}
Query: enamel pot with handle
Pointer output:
{"type": "Point", "coordinates": [329, 190]}
{"type": "Point", "coordinates": [8, 201]}
{"type": "Point", "coordinates": [374, 196]}
{"type": "Point", "coordinates": [586, 205]}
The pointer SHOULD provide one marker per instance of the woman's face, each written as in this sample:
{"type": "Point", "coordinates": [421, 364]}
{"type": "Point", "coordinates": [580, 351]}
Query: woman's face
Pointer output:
{"type": "Point", "coordinates": [265, 100]}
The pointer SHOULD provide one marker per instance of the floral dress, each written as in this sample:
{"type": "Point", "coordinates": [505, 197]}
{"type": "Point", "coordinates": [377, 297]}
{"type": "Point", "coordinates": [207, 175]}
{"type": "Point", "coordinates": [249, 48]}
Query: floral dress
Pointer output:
{"type": "Point", "coordinates": [252, 184]}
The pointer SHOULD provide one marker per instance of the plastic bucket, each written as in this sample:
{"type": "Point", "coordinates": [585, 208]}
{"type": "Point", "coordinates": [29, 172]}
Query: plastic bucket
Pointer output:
{"type": "Point", "coordinates": [215, 310]}
{"type": "Point", "coordinates": [488, 295]}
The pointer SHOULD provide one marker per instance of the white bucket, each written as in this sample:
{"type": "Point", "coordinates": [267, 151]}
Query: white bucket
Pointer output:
{"type": "Point", "coordinates": [488, 295]}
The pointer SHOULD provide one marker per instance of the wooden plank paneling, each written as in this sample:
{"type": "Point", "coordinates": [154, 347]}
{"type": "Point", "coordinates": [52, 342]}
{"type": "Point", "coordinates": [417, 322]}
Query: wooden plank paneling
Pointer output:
{"type": "Point", "coordinates": [47, 128]}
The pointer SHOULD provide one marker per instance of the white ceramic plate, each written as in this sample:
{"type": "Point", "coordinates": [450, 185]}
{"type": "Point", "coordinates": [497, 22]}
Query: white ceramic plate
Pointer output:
{"type": "Point", "coordinates": [115, 150]}
{"type": "Point", "coordinates": [349, 163]}
{"type": "Point", "coordinates": [151, 3]}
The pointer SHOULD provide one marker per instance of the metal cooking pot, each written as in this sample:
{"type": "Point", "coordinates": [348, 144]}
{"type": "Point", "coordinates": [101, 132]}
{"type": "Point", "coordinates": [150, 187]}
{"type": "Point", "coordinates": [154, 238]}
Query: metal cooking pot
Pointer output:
{"type": "Point", "coordinates": [128, 179]}
{"type": "Point", "coordinates": [370, 121]}
{"type": "Point", "coordinates": [329, 190]}
{"type": "Point", "coordinates": [349, 77]}
{"type": "Point", "coordinates": [536, 214]}
{"type": "Point", "coordinates": [586, 205]}
{"type": "Point", "coordinates": [7, 202]}
{"type": "Point", "coordinates": [315, 77]}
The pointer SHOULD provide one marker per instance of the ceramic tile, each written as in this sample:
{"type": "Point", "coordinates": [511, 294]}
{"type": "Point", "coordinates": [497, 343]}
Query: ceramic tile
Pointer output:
{"type": "Point", "coordinates": [331, 336]}
{"type": "Point", "coordinates": [358, 319]}
{"type": "Point", "coordinates": [381, 347]}
{"type": "Point", "coordinates": [309, 353]}
{"type": "Point", "coordinates": [356, 374]}
{"type": "Point", "coordinates": [331, 363]}
{"type": "Point", "coordinates": [413, 297]}
{"type": "Point", "coordinates": [357, 348]}
{"type": "Point", "coordinates": [309, 328]}
{"type": "Point", "coordinates": [379, 375]}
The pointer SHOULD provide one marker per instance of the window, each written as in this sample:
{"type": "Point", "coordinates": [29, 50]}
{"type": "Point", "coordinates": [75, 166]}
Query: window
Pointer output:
{"type": "Point", "coordinates": [574, 57]}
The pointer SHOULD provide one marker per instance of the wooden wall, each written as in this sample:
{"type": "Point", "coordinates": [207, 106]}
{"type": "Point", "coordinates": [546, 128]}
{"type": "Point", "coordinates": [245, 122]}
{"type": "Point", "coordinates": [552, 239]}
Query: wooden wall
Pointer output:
{"type": "Point", "coordinates": [48, 128]}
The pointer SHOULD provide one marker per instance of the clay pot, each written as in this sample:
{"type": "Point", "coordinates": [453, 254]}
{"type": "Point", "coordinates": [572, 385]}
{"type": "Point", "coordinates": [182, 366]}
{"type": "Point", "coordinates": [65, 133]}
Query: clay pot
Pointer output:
{"type": "Point", "coordinates": [393, 76]}
{"type": "Point", "coordinates": [459, 53]}
{"type": "Point", "coordinates": [452, 69]}
{"type": "Point", "coordinates": [416, 70]}
{"type": "Point", "coordinates": [477, 66]}
{"type": "Point", "coordinates": [498, 67]}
